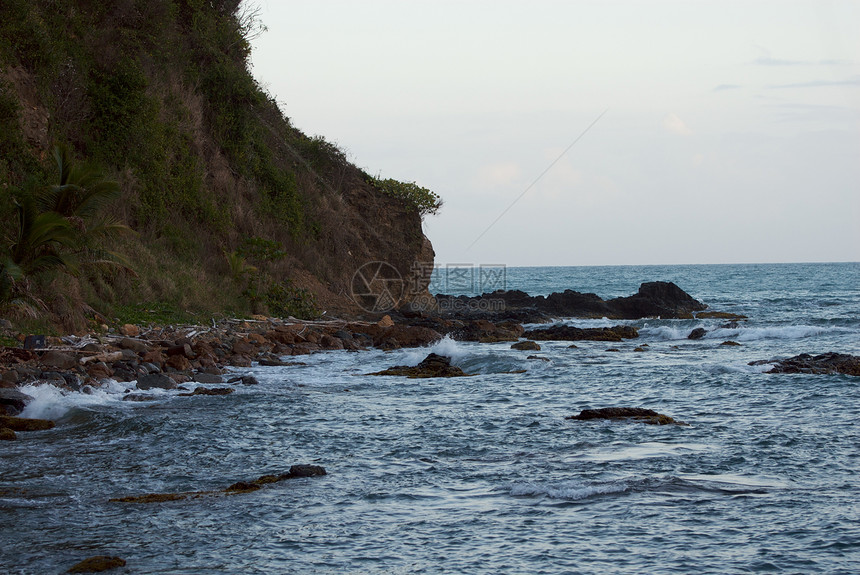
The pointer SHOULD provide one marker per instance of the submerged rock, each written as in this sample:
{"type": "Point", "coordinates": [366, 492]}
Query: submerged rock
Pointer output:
{"type": "Point", "coordinates": [570, 333]}
{"type": "Point", "coordinates": [633, 413]}
{"type": "Point", "coordinates": [155, 380]}
{"type": "Point", "coordinates": [433, 365]}
{"type": "Point", "coordinates": [210, 391]}
{"type": "Point", "coordinates": [25, 424]}
{"type": "Point", "coordinates": [7, 434]}
{"type": "Point", "coordinates": [527, 345]}
{"type": "Point", "coordinates": [97, 564]}
{"type": "Point", "coordinates": [825, 363]}
{"type": "Point", "coordinates": [697, 333]}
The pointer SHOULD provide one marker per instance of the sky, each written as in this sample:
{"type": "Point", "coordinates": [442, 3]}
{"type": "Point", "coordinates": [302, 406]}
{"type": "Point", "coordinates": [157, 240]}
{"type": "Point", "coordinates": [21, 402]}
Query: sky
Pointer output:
{"type": "Point", "coordinates": [590, 133]}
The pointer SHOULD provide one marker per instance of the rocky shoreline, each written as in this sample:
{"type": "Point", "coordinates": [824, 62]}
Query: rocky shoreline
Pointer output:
{"type": "Point", "coordinates": [168, 357]}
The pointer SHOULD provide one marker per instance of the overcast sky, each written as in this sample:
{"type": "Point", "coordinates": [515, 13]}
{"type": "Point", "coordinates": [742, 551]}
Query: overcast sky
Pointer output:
{"type": "Point", "coordinates": [731, 131]}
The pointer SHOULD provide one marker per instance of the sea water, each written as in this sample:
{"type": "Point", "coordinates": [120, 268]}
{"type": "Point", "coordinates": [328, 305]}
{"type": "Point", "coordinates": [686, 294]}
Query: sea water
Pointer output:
{"type": "Point", "coordinates": [481, 474]}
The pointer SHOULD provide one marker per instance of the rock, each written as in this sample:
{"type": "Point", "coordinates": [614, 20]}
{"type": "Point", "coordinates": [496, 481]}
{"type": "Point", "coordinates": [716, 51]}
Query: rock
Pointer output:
{"type": "Point", "coordinates": [99, 370]}
{"type": "Point", "coordinates": [406, 336]}
{"type": "Point", "coordinates": [730, 342]}
{"type": "Point", "coordinates": [538, 357]}
{"type": "Point", "coordinates": [178, 362]}
{"type": "Point", "coordinates": [10, 378]}
{"type": "Point", "coordinates": [184, 350]}
{"type": "Point", "coordinates": [239, 361]}
{"type": "Point", "coordinates": [14, 400]}
{"type": "Point", "coordinates": [211, 391]}
{"type": "Point", "coordinates": [130, 330]}
{"type": "Point", "coordinates": [59, 360]}
{"type": "Point", "coordinates": [640, 349]}
{"type": "Point", "coordinates": [431, 366]}
{"type": "Point", "coordinates": [207, 378]}
{"type": "Point", "coordinates": [244, 380]}
{"type": "Point", "coordinates": [303, 470]}
{"type": "Point", "coordinates": [138, 397]}
{"type": "Point", "coordinates": [97, 564]}
{"type": "Point", "coordinates": [657, 299]}
{"type": "Point", "coordinates": [385, 322]}
{"type": "Point", "coordinates": [719, 315]}
{"type": "Point", "coordinates": [7, 434]}
{"type": "Point", "coordinates": [25, 424]}
{"type": "Point", "coordinates": [527, 345]}
{"type": "Point", "coordinates": [825, 363]}
{"type": "Point", "coordinates": [135, 345]}
{"type": "Point", "coordinates": [570, 333]}
{"type": "Point", "coordinates": [697, 333]}
{"type": "Point", "coordinates": [155, 380]}
{"type": "Point", "coordinates": [242, 347]}
{"type": "Point", "coordinates": [634, 413]}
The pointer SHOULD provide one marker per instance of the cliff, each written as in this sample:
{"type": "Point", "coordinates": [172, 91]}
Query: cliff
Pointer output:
{"type": "Point", "coordinates": [233, 209]}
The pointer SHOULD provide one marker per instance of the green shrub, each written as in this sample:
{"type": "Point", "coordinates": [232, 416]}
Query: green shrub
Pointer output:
{"type": "Point", "coordinates": [416, 197]}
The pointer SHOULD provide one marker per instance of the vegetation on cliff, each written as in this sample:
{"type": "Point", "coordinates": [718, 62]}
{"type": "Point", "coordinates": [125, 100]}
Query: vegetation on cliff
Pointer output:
{"type": "Point", "coordinates": [157, 97]}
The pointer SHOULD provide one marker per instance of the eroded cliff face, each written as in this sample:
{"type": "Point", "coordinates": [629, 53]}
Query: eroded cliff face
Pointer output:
{"type": "Point", "coordinates": [158, 95]}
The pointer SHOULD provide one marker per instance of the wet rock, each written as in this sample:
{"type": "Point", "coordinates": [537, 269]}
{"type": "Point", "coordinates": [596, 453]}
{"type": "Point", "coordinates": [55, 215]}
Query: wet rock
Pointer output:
{"type": "Point", "coordinates": [139, 397]}
{"type": "Point", "coordinates": [155, 381]}
{"type": "Point", "coordinates": [135, 345]}
{"type": "Point", "coordinates": [99, 370]}
{"type": "Point", "coordinates": [242, 347]}
{"type": "Point", "coordinates": [431, 366]}
{"type": "Point", "coordinates": [97, 564]}
{"type": "Point", "coordinates": [211, 391]}
{"type": "Point", "coordinates": [406, 336]}
{"type": "Point", "coordinates": [538, 357]}
{"type": "Point", "coordinates": [697, 333]}
{"type": "Point", "coordinates": [59, 360]}
{"type": "Point", "coordinates": [25, 423]}
{"type": "Point", "coordinates": [14, 400]}
{"type": "Point", "coordinates": [239, 361]}
{"type": "Point", "coordinates": [719, 315]}
{"type": "Point", "coordinates": [730, 343]}
{"type": "Point", "coordinates": [527, 345]}
{"type": "Point", "coordinates": [207, 378]}
{"type": "Point", "coordinates": [304, 470]}
{"type": "Point", "coordinates": [244, 380]}
{"type": "Point", "coordinates": [7, 434]}
{"type": "Point", "coordinates": [633, 413]}
{"type": "Point", "coordinates": [9, 378]}
{"type": "Point", "coordinates": [819, 364]}
{"type": "Point", "coordinates": [570, 333]}
{"type": "Point", "coordinates": [640, 349]}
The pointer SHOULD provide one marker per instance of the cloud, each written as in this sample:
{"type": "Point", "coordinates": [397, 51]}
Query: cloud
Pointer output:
{"type": "Point", "coordinates": [722, 87]}
{"type": "Point", "coordinates": [855, 81]}
{"type": "Point", "coordinates": [674, 124]}
{"type": "Point", "coordinates": [768, 61]}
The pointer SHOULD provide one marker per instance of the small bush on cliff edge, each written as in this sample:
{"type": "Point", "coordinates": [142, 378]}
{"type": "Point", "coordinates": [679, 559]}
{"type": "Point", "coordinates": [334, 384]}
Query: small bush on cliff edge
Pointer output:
{"type": "Point", "coordinates": [421, 199]}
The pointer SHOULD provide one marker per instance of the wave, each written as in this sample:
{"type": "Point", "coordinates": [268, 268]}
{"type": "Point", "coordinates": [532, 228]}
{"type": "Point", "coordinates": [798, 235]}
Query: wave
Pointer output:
{"type": "Point", "coordinates": [567, 490]}
{"type": "Point", "coordinates": [741, 333]}
{"type": "Point", "coordinates": [51, 402]}
{"type": "Point", "coordinates": [445, 346]}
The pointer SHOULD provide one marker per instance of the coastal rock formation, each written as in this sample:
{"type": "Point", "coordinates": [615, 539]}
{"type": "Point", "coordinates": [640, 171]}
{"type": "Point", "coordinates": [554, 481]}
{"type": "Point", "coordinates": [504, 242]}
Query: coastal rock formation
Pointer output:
{"type": "Point", "coordinates": [648, 416]}
{"type": "Point", "coordinates": [97, 564]}
{"type": "Point", "coordinates": [697, 333]}
{"type": "Point", "coordinates": [12, 401]}
{"type": "Point", "coordinates": [654, 299]}
{"type": "Point", "coordinates": [295, 472]}
{"type": "Point", "coordinates": [825, 363]}
{"type": "Point", "coordinates": [527, 345]}
{"type": "Point", "coordinates": [570, 333]}
{"type": "Point", "coordinates": [433, 365]}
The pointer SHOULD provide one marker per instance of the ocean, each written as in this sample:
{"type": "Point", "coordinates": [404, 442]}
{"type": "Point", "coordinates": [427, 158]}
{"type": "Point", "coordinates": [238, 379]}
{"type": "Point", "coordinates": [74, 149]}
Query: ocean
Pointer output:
{"type": "Point", "coordinates": [480, 474]}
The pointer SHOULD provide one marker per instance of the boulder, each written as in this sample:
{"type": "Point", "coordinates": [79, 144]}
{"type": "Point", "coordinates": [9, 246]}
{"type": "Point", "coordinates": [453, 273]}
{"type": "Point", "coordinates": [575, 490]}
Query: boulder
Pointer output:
{"type": "Point", "coordinates": [729, 342]}
{"type": "Point", "coordinates": [406, 336]}
{"type": "Point", "coordinates": [135, 345]}
{"type": "Point", "coordinates": [7, 434]}
{"type": "Point", "coordinates": [155, 380]}
{"type": "Point", "coordinates": [25, 423]}
{"type": "Point", "coordinates": [527, 345]}
{"type": "Point", "coordinates": [14, 400]}
{"type": "Point", "coordinates": [569, 333]}
{"type": "Point", "coordinates": [130, 330]}
{"type": "Point", "coordinates": [97, 564]}
{"type": "Point", "coordinates": [211, 391]}
{"type": "Point", "coordinates": [431, 366]}
{"type": "Point", "coordinates": [59, 360]}
{"type": "Point", "coordinates": [825, 363]}
{"type": "Point", "coordinates": [631, 413]}
{"type": "Point", "coordinates": [697, 333]}
{"type": "Point", "coordinates": [207, 378]}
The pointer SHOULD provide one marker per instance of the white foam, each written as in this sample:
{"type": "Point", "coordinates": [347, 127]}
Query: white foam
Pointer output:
{"type": "Point", "coordinates": [567, 490]}
{"type": "Point", "coordinates": [51, 402]}
{"type": "Point", "coordinates": [445, 346]}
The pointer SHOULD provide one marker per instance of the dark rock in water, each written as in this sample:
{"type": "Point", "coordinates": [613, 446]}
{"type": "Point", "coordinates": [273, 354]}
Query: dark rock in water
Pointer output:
{"type": "Point", "coordinates": [97, 564]}
{"type": "Point", "coordinates": [155, 380]}
{"type": "Point", "coordinates": [825, 363]}
{"type": "Point", "coordinates": [14, 400]}
{"type": "Point", "coordinates": [730, 343]}
{"type": "Point", "coordinates": [304, 470]}
{"type": "Point", "coordinates": [211, 391]}
{"type": "Point", "coordinates": [538, 357]}
{"type": "Point", "coordinates": [527, 345]}
{"type": "Point", "coordinates": [7, 434]}
{"type": "Point", "coordinates": [25, 423]}
{"type": "Point", "coordinates": [207, 378]}
{"type": "Point", "coordinates": [570, 333]}
{"type": "Point", "coordinates": [697, 333]}
{"type": "Point", "coordinates": [431, 366]}
{"type": "Point", "coordinates": [635, 413]}
{"type": "Point", "coordinates": [657, 299]}
{"type": "Point", "coordinates": [138, 397]}
{"type": "Point", "coordinates": [719, 315]}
